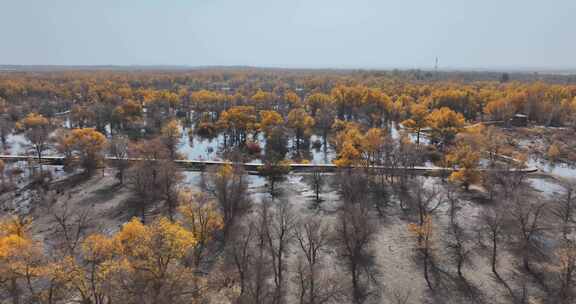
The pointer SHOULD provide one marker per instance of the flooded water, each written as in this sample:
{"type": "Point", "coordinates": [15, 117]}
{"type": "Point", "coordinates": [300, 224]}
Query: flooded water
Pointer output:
{"type": "Point", "coordinates": [559, 169]}
{"type": "Point", "coordinates": [198, 148]}
{"type": "Point", "coordinates": [547, 187]}
{"type": "Point", "coordinates": [17, 144]}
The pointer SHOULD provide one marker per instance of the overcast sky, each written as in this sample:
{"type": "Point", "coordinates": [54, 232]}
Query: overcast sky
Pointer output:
{"type": "Point", "coordinates": [291, 33]}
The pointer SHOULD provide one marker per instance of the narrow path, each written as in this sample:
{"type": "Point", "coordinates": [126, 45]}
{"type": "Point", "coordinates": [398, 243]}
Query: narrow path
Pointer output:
{"type": "Point", "coordinates": [201, 165]}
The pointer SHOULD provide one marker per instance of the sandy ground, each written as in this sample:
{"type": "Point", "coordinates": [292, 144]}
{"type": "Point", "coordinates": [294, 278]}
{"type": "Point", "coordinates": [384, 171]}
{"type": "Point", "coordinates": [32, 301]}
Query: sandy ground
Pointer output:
{"type": "Point", "coordinates": [393, 246]}
{"type": "Point", "coordinates": [100, 196]}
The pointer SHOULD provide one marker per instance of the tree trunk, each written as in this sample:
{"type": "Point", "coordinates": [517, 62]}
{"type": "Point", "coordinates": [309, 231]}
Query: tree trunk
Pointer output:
{"type": "Point", "coordinates": [494, 256]}
{"type": "Point", "coordinates": [460, 263]}
{"type": "Point", "coordinates": [14, 292]}
{"type": "Point", "coordinates": [426, 276]}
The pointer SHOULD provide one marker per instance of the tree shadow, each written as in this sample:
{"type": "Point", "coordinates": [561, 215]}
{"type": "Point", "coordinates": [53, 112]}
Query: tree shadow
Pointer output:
{"type": "Point", "coordinates": [449, 287]}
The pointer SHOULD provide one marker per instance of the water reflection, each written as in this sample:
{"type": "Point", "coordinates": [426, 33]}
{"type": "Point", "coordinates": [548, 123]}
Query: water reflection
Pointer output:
{"type": "Point", "coordinates": [196, 147]}
{"type": "Point", "coordinates": [547, 187]}
{"type": "Point", "coordinates": [558, 169]}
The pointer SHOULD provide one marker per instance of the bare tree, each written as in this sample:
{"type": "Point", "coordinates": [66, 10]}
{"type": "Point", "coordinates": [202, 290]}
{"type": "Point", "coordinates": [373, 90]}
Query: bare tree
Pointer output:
{"type": "Point", "coordinates": [424, 248]}
{"type": "Point", "coordinates": [6, 126]}
{"type": "Point", "coordinates": [275, 171]}
{"type": "Point", "coordinates": [239, 253]}
{"type": "Point", "coordinates": [168, 181]}
{"type": "Point", "coordinates": [229, 186]}
{"type": "Point", "coordinates": [527, 217]}
{"type": "Point", "coordinates": [143, 181]}
{"type": "Point", "coordinates": [510, 181]}
{"type": "Point", "coordinates": [317, 182]}
{"type": "Point", "coordinates": [493, 228]}
{"type": "Point", "coordinates": [565, 269]}
{"type": "Point", "coordinates": [70, 227]}
{"type": "Point", "coordinates": [353, 235]}
{"type": "Point", "coordinates": [118, 149]}
{"type": "Point", "coordinates": [314, 285]}
{"type": "Point", "coordinates": [147, 178]}
{"type": "Point", "coordinates": [494, 224]}
{"type": "Point", "coordinates": [426, 199]}
{"type": "Point", "coordinates": [458, 244]}
{"type": "Point", "coordinates": [459, 248]}
{"type": "Point", "coordinates": [490, 181]}
{"type": "Point", "coordinates": [565, 211]}
{"type": "Point", "coordinates": [259, 289]}
{"type": "Point", "coordinates": [279, 235]}
{"type": "Point", "coordinates": [353, 186]}
{"type": "Point", "coordinates": [451, 196]}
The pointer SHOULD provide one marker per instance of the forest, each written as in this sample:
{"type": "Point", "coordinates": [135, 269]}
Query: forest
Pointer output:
{"type": "Point", "coordinates": [248, 185]}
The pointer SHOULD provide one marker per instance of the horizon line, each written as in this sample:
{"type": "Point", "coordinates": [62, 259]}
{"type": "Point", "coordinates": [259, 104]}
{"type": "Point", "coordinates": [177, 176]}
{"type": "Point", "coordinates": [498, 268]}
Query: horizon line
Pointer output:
{"type": "Point", "coordinates": [494, 69]}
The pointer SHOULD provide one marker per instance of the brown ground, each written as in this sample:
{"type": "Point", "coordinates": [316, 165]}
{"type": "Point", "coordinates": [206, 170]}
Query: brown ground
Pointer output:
{"type": "Point", "coordinates": [399, 272]}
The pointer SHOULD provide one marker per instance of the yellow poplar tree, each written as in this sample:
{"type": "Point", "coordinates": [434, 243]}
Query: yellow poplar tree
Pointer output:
{"type": "Point", "coordinates": [423, 233]}
{"type": "Point", "coordinates": [20, 257]}
{"type": "Point", "coordinates": [88, 146]}
{"type": "Point", "coordinates": [269, 120]}
{"type": "Point", "coordinates": [201, 217]}
{"type": "Point", "coordinates": [301, 122]}
{"type": "Point", "coordinates": [152, 260]}
{"type": "Point", "coordinates": [37, 131]}
{"type": "Point", "coordinates": [417, 120]}
{"type": "Point", "coordinates": [170, 135]}
{"type": "Point", "coordinates": [445, 124]}
{"type": "Point", "coordinates": [465, 160]}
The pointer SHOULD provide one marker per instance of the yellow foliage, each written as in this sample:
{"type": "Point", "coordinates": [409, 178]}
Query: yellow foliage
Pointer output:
{"type": "Point", "coordinates": [13, 245]}
{"type": "Point", "coordinates": [87, 140]}
{"type": "Point", "coordinates": [293, 99]}
{"type": "Point", "coordinates": [240, 118]}
{"type": "Point", "coordinates": [225, 171]}
{"type": "Point", "coordinates": [372, 140]}
{"type": "Point", "coordinates": [566, 258]}
{"type": "Point", "coordinates": [348, 156]}
{"type": "Point", "coordinates": [133, 237]}
{"type": "Point", "coordinates": [20, 255]}
{"type": "Point", "coordinates": [62, 272]}
{"type": "Point", "coordinates": [15, 225]}
{"type": "Point", "coordinates": [417, 121]}
{"type": "Point", "coordinates": [318, 101]}
{"type": "Point", "coordinates": [423, 232]}
{"type": "Point", "coordinates": [171, 129]}
{"type": "Point", "coordinates": [87, 144]}
{"type": "Point", "coordinates": [348, 133]}
{"type": "Point", "coordinates": [466, 160]}
{"type": "Point", "coordinates": [553, 152]}
{"type": "Point", "coordinates": [262, 97]}
{"type": "Point", "coordinates": [34, 120]}
{"type": "Point", "coordinates": [19, 126]}
{"type": "Point", "coordinates": [171, 133]}
{"type": "Point", "coordinates": [500, 109]}
{"type": "Point", "coordinates": [200, 215]}
{"type": "Point", "coordinates": [162, 237]}
{"type": "Point", "coordinates": [445, 123]}
{"type": "Point", "coordinates": [129, 111]}
{"type": "Point", "coordinates": [97, 248]}
{"type": "Point", "coordinates": [270, 119]}
{"type": "Point", "coordinates": [300, 120]}
{"type": "Point", "coordinates": [170, 239]}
